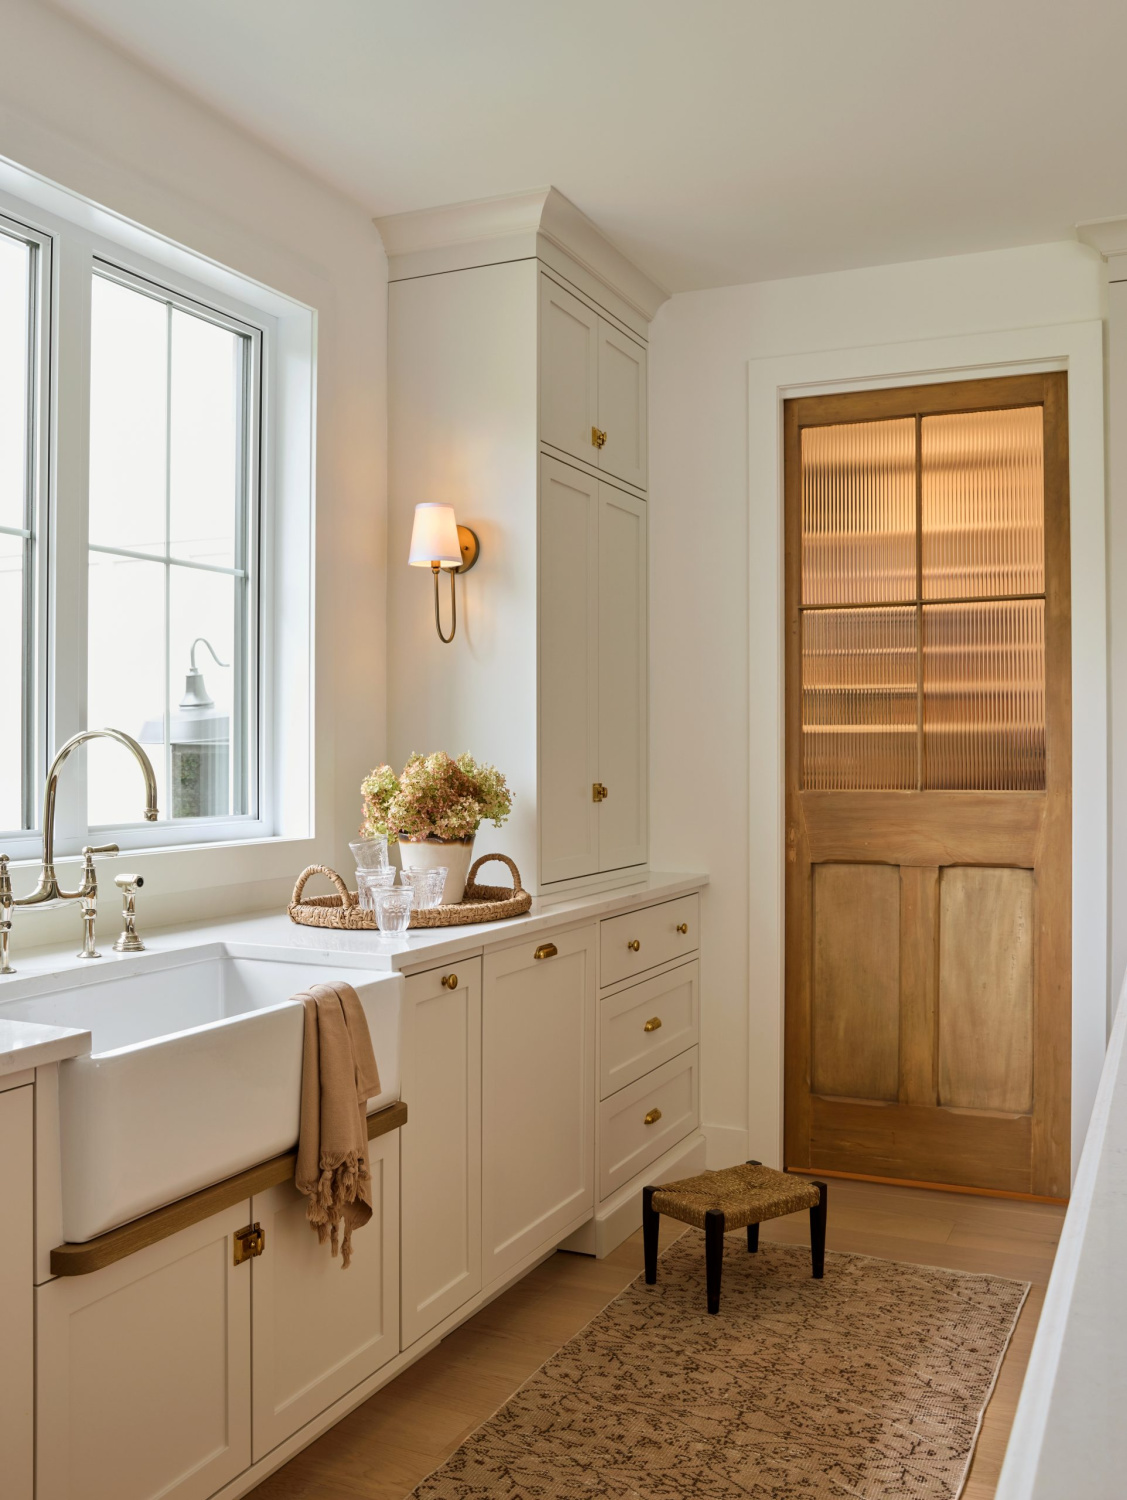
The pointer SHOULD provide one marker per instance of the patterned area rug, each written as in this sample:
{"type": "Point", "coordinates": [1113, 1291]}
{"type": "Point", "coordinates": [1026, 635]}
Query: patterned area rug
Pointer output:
{"type": "Point", "coordinates": [870, 1383]}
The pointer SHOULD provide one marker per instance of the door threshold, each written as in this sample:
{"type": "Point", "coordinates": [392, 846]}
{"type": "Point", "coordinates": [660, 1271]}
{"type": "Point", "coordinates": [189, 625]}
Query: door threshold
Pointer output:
{"type": "Point", "coordinates": [935, 1187]}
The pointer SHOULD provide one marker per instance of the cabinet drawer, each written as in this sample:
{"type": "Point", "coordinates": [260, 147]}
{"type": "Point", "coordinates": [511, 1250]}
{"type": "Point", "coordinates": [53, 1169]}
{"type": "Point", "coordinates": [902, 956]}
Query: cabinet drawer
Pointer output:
{"type": "Point", "coordinates": [644, 939]}
{"type": "Point", "coordinates": [669, 1098]}
{"type": "Point", "coordinates": [644, 1026]}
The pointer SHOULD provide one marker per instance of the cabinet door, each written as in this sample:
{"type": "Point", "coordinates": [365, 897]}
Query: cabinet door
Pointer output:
{"type": "Point", "coordinates": [17, 1316]}
{"type": "Point", "coordinates": [622, 405]}
{"type": "Point", "coordinates": [569, 371]}
{"type": "Point", "coordinates": [569, 671]}
{"type": "Point", "coordinates": [144, 1371]}
{"type": "Point", "coordinates": [538, 1109]}
{"type": "Point", "coordinates": [623, 816]}
{"type": "Point", "coordinates": [440, 1150]}
{"type": "Point", "coordinates": [318, 1333]}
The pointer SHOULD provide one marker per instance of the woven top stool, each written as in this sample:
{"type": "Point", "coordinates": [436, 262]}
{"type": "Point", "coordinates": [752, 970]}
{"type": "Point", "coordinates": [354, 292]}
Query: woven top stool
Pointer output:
{"type": "Point", "coordinates": [732, 1199]}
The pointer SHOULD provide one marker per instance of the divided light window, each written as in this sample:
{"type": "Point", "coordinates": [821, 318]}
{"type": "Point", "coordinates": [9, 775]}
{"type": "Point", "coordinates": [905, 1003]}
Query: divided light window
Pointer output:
{"type": "Point", "coordinates": [172, 543]}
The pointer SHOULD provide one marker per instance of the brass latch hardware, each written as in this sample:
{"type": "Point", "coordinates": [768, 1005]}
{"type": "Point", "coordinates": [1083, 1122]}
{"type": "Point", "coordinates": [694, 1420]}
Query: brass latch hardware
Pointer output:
{"type": "Point", "coordinates": [653, 1024]}
{"type": "Point", "coordinates": [599, 792]}
{"type": "Point", "coordinates": [598, 439]}
{"type": "Point", "coordinates": [249, 1242]}
{"type": "Point", "coordinates": [450, 981]}
{"type": "Point", "coordinates": [634, 945]}
{"type": "Point", "coordinates": [546, 950]}
{"type": "Point", "coordinates": [682, 927]}
{"type": "Point", "coordinates": [653, 1117]}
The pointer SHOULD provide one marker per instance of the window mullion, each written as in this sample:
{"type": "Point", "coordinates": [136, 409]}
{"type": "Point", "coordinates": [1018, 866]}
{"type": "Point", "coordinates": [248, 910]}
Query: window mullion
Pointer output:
{"type": "Point", "coordinates": [69, 529]}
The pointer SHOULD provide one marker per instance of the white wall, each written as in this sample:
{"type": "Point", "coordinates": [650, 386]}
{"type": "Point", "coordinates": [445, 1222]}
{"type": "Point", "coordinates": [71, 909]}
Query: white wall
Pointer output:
{"type": "Point", "coordinates": [88, 118]}
{"type": "Point", "coordinates": [715, 763]}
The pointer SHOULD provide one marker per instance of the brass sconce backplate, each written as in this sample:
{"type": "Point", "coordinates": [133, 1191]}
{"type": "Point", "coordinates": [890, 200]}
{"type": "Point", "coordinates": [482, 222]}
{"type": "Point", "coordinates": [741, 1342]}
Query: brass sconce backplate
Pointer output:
{"type": "Point", "coordinates": [470, 546]}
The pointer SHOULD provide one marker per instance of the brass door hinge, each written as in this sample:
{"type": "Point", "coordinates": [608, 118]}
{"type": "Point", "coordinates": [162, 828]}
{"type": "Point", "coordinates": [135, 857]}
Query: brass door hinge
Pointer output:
{"type": "Point", "coordinates": [249, 1242]}
{"type": "Point", "coordinates": [598, 439]}
{"type": "Point", "coordinates": [599, 792]}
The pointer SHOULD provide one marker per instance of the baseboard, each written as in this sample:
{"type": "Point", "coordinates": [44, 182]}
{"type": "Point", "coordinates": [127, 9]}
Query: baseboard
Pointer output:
{"type": "Point", "coordinates": [727, 1146]}
{"type": "Point", "coordinates": [617, 1217]}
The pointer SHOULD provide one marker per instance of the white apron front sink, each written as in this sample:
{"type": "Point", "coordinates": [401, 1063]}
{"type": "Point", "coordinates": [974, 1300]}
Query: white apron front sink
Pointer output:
{"type": "Point", "coordinates": [194, 1073]}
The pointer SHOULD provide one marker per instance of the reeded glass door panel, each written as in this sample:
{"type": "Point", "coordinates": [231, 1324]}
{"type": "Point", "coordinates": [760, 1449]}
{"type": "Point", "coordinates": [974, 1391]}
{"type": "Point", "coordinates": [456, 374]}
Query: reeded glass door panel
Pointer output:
{"type": "Point", "coordinates": [982, 486]}
{"type": "Point", "coordinates": [859, 513]}
{"type": "Point", "coordinates": [860, 700]}
{"type": "Point", "coordinates": [984, 696]}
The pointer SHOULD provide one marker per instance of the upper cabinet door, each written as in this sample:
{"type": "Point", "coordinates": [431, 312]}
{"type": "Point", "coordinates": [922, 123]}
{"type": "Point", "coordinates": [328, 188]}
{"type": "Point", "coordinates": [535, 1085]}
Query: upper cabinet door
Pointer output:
{"type": "Point", "coordinates": [622, 406]}
{"type": "Point", "coordinates": [569, 671]}
{"type": "Point", "coordinates": [622, 678]}
{"type": "Point", "coordinates": [569, 372]}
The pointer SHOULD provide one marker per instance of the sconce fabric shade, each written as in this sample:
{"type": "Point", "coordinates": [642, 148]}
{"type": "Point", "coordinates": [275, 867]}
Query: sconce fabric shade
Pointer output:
{"type": "Point", "coordinates": [434, 537]}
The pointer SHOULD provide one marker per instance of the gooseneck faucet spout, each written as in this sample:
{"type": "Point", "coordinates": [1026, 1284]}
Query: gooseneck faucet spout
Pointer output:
{"type": "Point", "coordinates": [48, 886]}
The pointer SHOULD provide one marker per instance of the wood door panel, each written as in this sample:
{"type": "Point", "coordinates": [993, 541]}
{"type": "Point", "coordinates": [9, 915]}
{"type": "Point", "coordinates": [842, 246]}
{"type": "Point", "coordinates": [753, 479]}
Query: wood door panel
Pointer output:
{"type": "Point", "coordinates": [986, 934]}
{"type": "Point", "coordinates": [922, 1144]}
{"type": "Point", "coordinates": [924, 828]}
{"type": "Point", "coordinates": [856, 992]}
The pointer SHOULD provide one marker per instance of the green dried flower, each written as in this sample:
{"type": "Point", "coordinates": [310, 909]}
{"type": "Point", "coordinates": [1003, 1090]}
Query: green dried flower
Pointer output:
{"type": "Point", "coordinates": [434, 795]}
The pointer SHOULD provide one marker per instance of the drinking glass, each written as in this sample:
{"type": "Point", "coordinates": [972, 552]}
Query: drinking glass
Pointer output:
{"type": "Point", "coordinates": [436, 884]}
{"type": "Point", "coordinates": [370, 854]}
{"type": "Point", "coordinates": [368, 882]}
{"type": "Point", "coordinates": [393, 909]}
{"type": "Point", "coordinates": [426, 885]}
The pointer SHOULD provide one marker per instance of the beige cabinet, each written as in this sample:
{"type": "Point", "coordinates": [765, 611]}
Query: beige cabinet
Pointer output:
{"type": "Point", "coordinates": [17, 1311]}
{"type": "Point", "coordinates": [144, 1371]}
{"type": "Point", "coordinates": [592, 386]}
{"type": "Point", "coordinates": [318, 1333]}
{"type": "Point", "coordinates": [538, 1076]}
{"type": "Point", "coordinates": [593, 801]}
{"type": "Point", "coordinates": [440, 1199]}
{"type": "Point", "coordinates": [644, 1025]}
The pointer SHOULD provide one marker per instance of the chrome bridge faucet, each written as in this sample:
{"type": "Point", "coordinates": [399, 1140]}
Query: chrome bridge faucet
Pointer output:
{"type": "Point", "coordinates": [48, 888]}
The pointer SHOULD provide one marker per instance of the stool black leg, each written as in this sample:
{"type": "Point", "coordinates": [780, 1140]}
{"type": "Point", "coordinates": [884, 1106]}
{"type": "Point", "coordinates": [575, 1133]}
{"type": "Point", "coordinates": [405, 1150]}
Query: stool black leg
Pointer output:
{"type": "Point", "coordinates": [650, 1222]}
{"type": "Point", "coordinates": [752, 1238]}
{"type": "Point", "coordinates": [818, 1230]}
{"type": "Point", "coordinates": [713, 1255]}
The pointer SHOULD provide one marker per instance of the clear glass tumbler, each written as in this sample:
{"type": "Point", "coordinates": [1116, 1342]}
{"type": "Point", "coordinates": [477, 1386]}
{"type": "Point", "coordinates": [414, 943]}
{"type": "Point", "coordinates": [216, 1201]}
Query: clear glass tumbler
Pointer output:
{"type": "Point", "coordinates": [393, 910]}
{"type": "Point", "coordinates": [436, 884]}
{"type": "Point", "coordinates": [426, 886]}
{"type": "Point", "coordinates": [368, 882]}
{"type": "Point", "coordinates": [370, 854]}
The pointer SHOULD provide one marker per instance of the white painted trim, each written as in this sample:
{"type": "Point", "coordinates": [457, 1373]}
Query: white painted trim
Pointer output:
{"type": "Point", "coordinates": [490, 230]}
{"type": "Point", "coordinates": [727, 1145]}
{"type": "Point", "coordinates": [1077, 348]}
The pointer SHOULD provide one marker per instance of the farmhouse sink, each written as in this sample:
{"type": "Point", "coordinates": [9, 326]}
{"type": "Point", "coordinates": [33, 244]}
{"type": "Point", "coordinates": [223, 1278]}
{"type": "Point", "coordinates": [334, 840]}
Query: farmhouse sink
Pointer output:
{"type": "Point", "coordinates": [194, 1073]}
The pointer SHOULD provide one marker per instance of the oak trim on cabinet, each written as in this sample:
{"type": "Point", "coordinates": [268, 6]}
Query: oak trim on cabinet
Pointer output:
{"type": "Point", "coordinates": [93, 1255]}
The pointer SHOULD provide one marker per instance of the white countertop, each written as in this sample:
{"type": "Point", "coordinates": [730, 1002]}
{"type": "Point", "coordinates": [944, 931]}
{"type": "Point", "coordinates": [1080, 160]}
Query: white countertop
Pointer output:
{"type": "Point", "coordinates": [27, 1044]}
{"type": "Point", "coordinates": [1069, 1438]}
{"type": "Point", "coordinates": [38, 972]}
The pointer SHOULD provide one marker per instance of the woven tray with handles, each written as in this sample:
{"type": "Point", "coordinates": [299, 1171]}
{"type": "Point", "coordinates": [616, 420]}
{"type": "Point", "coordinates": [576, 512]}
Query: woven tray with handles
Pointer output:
{"type": "Point", "coordinates": [481, 903]}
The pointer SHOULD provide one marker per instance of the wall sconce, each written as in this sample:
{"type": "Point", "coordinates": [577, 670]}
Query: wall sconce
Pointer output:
{"type": "Point", "coordinates": [437, 542]}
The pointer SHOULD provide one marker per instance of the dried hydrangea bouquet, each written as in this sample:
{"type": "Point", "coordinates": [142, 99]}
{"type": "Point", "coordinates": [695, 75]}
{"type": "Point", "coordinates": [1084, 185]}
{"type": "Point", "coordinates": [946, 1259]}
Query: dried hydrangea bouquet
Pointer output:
{"type": "Point", "coordinates": [433, 810]}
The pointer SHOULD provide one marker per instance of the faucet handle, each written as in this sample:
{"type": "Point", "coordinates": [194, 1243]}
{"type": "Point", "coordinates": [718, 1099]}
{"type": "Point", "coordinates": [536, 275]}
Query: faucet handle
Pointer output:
{"type": "Point", "coordinates": [89, 849]}
{"type": "Point", "coordinates": [5, 879]}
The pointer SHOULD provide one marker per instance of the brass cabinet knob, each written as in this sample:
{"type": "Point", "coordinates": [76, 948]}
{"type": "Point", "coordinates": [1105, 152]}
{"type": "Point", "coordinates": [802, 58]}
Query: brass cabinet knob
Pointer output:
{"type": "Point", "coordinates": [634, 945]}
{"type": "Point", "coordinates": [546, 950]}
{"type": "Point", "coordinates": [450, 981]}
{"type": "Point", "coordinates": [682, 927]}
{"type": "Point", "coordinates": [653, 1024]}
{"type": "Point", "coordinates": [653, 1117]}
{"type": "Point", "coordinates": [599, 792]}
{"type": "Point", "coordinates": [598, 438]}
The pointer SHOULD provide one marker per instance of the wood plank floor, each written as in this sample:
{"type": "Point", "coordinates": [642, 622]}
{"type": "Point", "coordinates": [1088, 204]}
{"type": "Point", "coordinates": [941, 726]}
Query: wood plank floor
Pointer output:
{"type": "Point", "coordinates": [385, 1447]}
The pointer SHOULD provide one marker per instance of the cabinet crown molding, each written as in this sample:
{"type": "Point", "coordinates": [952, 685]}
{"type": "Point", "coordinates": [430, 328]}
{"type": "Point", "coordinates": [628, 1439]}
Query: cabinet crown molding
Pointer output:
{"type": "Point", "coordinates": [1108, 236]}
{"type": "Point", "coordinates": [488, 230]}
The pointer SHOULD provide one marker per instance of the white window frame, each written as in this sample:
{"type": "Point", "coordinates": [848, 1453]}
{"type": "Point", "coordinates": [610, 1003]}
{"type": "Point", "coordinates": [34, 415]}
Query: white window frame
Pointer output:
{"type": "Point", "coordinates": [80, 238]}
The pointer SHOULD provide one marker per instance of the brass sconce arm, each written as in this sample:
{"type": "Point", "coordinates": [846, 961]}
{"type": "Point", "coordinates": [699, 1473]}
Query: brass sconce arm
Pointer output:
{"type": "Point", "coordinates": [445, 639]}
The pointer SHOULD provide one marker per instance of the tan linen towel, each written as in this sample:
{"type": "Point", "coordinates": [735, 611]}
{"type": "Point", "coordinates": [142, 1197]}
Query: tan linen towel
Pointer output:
{"type": "Point", "coordinates": [338, 1077]}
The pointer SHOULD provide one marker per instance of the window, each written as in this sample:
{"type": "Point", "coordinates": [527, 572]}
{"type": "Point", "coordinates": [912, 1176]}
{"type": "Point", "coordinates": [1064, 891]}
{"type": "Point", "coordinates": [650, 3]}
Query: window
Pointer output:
{"type": "Point", "coordinates": [156, 462]}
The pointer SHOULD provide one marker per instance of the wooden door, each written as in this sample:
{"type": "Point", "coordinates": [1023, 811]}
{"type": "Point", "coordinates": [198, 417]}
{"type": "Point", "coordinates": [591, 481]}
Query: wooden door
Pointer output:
{"type": "Point", "coordinates": [538, 1097]}
{"type": "Point", "coordinates": [316, 1333]}
{"type": "Point", "coordinates": [622, 405]}
{"type": "Point", "coordinates": [440, 1148]}
{"type": "Point", "coordinates": [623, 813]}
{"type": "Point", "coordinates": [569, 671]}
{"type": "Point", "coordinates": [928, 785]}
{"type": "Point", "coordinates": [143, 1371]}
{"type": "Point", "coordinates": [569, 371]}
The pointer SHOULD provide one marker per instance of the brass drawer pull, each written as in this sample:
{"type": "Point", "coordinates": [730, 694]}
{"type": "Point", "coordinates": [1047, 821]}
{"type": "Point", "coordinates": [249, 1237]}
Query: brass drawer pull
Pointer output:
{"type": "Point", "coordinates": [634, 945]}
{"type": "Point", "coordinates": [546, 950]}
{"type": "Point", "coordinates": [450, 981]}
{"type": "Point", "coordinates": [599, 792]}
{"type": "Point", "coordinates": [598, 439]}
{"type": "Point", "coordinates": [653, 1024]}
{"type": "Point", "coordinates": [682, 927]}
{"type": "Point", "coordinates": [653, 1117]}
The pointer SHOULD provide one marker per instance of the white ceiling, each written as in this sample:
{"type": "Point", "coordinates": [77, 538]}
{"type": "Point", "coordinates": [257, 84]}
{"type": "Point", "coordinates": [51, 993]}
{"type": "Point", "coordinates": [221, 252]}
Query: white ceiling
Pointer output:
{"type": "Point", "coordinates": [715, 141]}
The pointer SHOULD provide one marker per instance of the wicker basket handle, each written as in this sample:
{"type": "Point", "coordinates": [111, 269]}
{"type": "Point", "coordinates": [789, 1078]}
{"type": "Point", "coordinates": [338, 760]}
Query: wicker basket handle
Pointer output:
{"type": "Point", "coordinates": [346, 899]}
{"type": "Point", "coordinates": [504, 859]}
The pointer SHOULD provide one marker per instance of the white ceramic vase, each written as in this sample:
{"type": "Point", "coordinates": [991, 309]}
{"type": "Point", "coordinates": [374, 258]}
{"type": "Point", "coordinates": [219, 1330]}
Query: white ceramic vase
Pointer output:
{"type": "Point", "coordinates": [426, 853]}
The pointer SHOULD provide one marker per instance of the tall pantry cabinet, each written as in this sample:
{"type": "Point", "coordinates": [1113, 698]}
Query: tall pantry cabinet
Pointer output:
{"type": "Point", "coordinates": [517, 394]}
